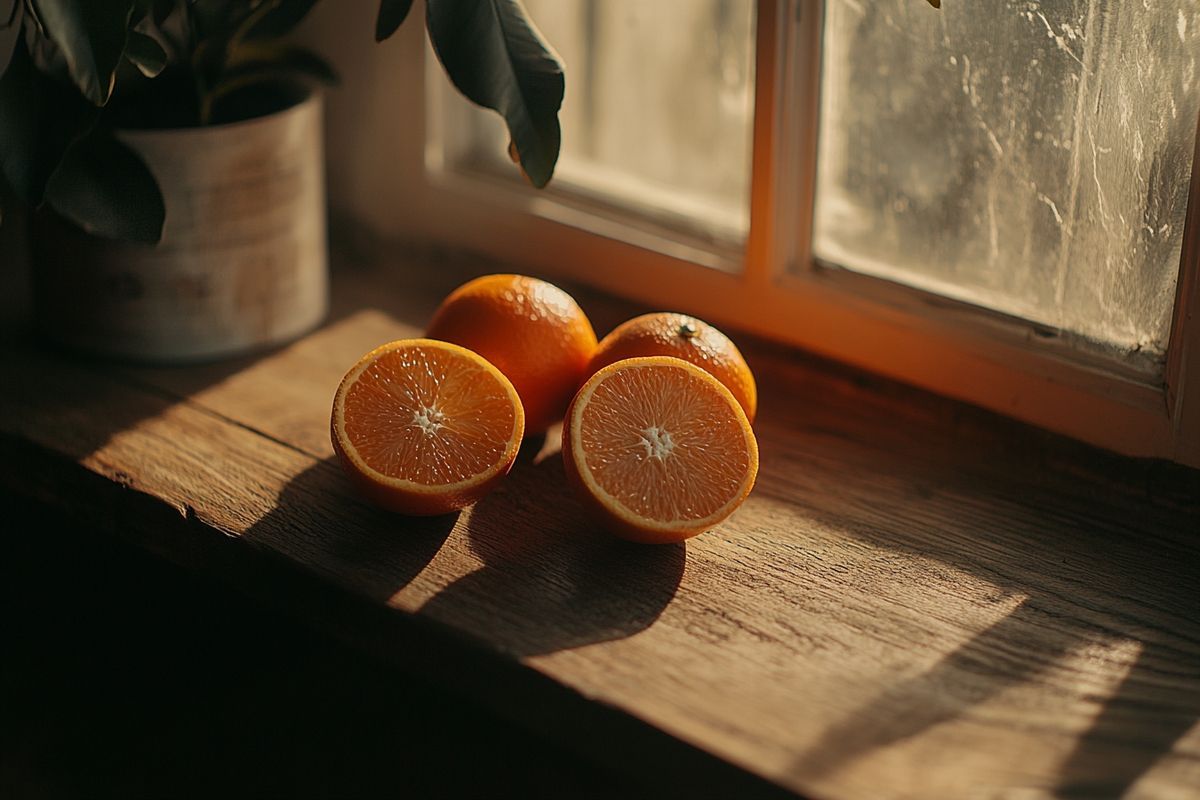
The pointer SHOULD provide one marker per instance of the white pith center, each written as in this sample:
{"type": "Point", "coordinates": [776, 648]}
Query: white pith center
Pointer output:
{"type": "Point", "coordinates": [428, 419]}
{"type": "Point", "coordinates": [658, 443]}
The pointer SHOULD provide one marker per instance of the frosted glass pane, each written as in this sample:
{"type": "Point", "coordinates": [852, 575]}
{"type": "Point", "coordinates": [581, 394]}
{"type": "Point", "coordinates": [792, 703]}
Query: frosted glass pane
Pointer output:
{"type": "Point", "coordinates": [658, 113]}
{"type": "Point", "coordinates": [1028, 156]}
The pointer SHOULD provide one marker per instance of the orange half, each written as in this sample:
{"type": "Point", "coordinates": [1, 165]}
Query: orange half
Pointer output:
{"type": "Point", "coordinates": [659, 448]}
{"type": "Point", "coordinates": [425, 427]}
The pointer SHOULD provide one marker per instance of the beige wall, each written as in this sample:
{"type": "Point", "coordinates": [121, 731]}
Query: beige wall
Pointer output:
{"type": "Point", "coordinates": [374, 117]}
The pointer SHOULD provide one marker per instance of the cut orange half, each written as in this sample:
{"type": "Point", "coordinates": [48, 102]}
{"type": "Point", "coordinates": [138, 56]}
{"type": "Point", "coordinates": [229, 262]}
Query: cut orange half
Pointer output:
{"type": "Point", "coordinates": [425, 427]}
{"type": "Point", "coordinates": [659, 448]}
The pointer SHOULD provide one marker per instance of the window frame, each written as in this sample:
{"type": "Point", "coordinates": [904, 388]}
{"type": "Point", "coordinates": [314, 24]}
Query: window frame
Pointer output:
{"type": "Point", "coordinates": [1011, 366]}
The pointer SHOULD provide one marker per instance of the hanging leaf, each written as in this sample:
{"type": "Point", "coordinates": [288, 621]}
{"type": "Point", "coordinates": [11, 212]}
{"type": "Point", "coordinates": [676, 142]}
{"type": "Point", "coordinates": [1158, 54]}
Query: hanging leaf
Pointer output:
{"type": "Point", "coordinates": [107, 190]}
{"type": "Point", "coordinates": [935, 3]}
{"type": "Point", "coordinates": [91, 35]}
{"type": "Point", "coordinates": [494, 56]}
{"type": "Point", "coordinates": [392, 14]}
{"type": "Point", "coordinates": [39, 119]}
{"type": "Point", "coordinates": [145, 53]}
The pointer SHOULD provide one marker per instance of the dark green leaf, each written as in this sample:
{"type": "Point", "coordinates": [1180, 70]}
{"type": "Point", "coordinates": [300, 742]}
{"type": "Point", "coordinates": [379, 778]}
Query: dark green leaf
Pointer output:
{"type": "Point", "coordinates": [10, 30]}
{"type": "Point", "coordinates": [145, 53]}
{"type": "Point", "coordinates": [272, 69]}
{"type": "Point", "coordinates": [221, 25]}
{"type": "Point", "coordinates": [495, 57]}
{"type": "Point", "coordinates": [105, 188]}
{"type": "Point", "coordinates": [161, 9]}
{"type": "Point", "coordinates": [91, 34]}
{"type": "Point", "coordinates": [39, 119]}
{"type": "Point", "coordinates": [212, 17]}
{"type": "Point", "coordinates": [261, 60]}
{"type": "Point", "coordinates": [280, 18]}
{"type": "Point", "coordinates": [392, 14]}
{"type": "Point", "coordinates": [208, 60]}
{"type": "Point", "coordinates": [168, 23]}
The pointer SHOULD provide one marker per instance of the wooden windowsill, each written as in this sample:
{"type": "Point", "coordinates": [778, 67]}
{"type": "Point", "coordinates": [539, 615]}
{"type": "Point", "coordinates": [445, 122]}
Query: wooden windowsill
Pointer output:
{"type": "Point", "coordinates": [919, 598]}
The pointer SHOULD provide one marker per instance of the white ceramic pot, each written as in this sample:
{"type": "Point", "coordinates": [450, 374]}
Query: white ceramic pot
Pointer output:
{"type": "Point", "coordinates": [243, 261]}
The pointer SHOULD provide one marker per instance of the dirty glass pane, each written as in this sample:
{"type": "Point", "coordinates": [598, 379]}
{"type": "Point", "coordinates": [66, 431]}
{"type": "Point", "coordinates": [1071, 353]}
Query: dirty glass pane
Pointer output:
{"type": "Point", "coordinates": [658, 113]}
{"type": "Point", "coordinates": [1031, 156]}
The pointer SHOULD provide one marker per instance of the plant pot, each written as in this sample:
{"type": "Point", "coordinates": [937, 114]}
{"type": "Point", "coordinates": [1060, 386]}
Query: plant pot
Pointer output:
{"type": "Point", "coordinates": [243, 261]}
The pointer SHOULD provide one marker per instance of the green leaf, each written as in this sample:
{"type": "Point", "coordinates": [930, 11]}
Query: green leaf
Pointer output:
{"type": "Point", "coordinates": [496, 58]}
{"type": "Point", "coordinates": [280, 18]}
{"type": "Point", "coordinates": [392, 14]}
{"type": "Point", "coordinates": [263, 65]}
{"type": "Point", "coordinates": [211, 17]}
{"type": "Point", "coordinates": [145, 53]}
{"type": "Point", "coordinates": [107, 190]}
{"type": "Point", "coordinates": [91, 35]}
{"type": "Point", "coordinates": [262, 60]}
{"type": "Point", "coordinates": [230, 25]}
{"type": "Point", "coordinates": [161, 9]}
{"type": "Point", "coordinates": [10, 30]}
{"type": "Point", "coordinates": [39, 119]}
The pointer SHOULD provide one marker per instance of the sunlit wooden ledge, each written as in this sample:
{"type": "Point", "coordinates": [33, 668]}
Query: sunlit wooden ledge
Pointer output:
{"type": "Point", "coordinates": [920, 599]}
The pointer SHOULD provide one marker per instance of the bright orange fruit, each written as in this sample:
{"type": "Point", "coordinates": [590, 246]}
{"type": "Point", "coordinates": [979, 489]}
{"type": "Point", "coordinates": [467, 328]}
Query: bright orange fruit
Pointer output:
{"type": "Point", "coordinates": [659, 448]}
{"type": "Point", "coordinates": [681, 336]}
{"type": "Point", "coordinates": [534, 333]}
{"type": "Point", "coordinates": [425, 427]}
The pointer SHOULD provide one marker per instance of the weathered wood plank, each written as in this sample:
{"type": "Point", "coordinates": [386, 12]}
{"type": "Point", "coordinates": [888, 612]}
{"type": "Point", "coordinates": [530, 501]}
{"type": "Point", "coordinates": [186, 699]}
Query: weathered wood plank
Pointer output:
{"type": "Point", "coordinates": [918, 599]}
{"type": "Point", "coordinates": [80, 464]}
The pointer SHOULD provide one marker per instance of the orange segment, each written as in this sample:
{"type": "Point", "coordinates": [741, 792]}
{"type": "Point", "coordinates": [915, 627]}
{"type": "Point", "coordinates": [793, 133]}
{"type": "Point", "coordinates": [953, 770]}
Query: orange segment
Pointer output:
{"type": "Point", "coordinates": [425, 427]}
{"type": "Point", "coordinates": [659, 448]}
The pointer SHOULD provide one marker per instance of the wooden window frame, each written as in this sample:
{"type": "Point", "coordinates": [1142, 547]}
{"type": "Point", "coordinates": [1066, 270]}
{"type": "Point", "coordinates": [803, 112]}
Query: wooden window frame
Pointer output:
{"type": "Point", "coordinates": [778, 290]}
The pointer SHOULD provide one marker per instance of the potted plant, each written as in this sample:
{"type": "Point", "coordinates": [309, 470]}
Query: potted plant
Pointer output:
{"type": "Point", "coordinates": [170, 151]}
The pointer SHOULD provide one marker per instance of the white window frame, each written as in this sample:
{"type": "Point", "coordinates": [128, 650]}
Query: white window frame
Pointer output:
{"type": "Point", "coordinates": [777, 290]}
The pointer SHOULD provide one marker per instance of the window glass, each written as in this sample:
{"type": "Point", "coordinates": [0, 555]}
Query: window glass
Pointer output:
{"type": "Point", "coordinates": [1030, 156]}
{"type": "Point", "coordinates": [658, 113]}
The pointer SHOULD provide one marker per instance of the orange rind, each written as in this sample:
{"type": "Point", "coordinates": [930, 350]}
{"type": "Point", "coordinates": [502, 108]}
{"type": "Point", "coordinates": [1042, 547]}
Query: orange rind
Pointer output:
{"type": "Point", "coordinates": [659, 449]}
{"type": "Point", "coordinates": [679, 335]}
{"type": "Point", "coordinates": [425, 427]}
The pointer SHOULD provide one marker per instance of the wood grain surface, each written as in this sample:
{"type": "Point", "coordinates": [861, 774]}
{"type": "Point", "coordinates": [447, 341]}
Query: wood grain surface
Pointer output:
{"type": "Point", "coordinates": [919, 599]}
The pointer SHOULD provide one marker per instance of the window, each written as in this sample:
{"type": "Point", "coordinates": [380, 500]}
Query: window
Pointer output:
{"type": "Point", "coordinates": [992, 203]}
{"type": "Point", "coordinates": [1033, 158]}
{"type": "Point", "coordinates": [658, 116]}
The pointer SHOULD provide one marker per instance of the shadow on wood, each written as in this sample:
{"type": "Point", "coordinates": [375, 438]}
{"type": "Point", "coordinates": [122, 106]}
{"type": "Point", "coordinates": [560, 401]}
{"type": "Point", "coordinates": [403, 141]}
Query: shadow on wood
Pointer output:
{"type": "Point", "coordinates": [1103, 763]}
{"type": "Point", "coordinates": [1077, 588]}
{"type": "Point", "coordinates": [123, 676]}
{"type": "Point", "coordinates": [319, 518]}
{"type": "Point", "coordinates": [979, 669]}
{"type": "Point", "coordinates": [552, 580]}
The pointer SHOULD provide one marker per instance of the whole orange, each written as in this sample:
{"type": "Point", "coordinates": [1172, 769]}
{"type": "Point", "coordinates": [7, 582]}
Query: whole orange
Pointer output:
{"type": "Point", "coordinates": [531, 330]}
{"type": "Point", "coordinates": [684, 337]}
